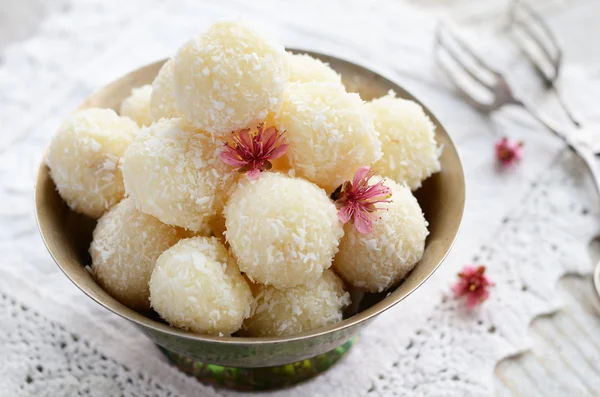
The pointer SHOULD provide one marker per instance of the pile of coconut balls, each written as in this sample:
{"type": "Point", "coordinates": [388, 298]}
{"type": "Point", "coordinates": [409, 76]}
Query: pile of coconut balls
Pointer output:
{"type": "Point", "coordinates": [245, 191]}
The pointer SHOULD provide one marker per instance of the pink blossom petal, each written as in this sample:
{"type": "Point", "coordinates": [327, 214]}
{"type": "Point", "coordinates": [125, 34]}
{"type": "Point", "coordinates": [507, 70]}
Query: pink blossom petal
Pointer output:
{"type": "Point", "coordinates": [472, 301]}
{"type": "Point", "coordinates": [245, 138]}
{"type": "Point", "coordinates": [279, 151]}
{"type": "Point", "coordinates": [253, 174]}
{"type": "Point", "coordinates": [269, 136]}
{"type": "Point", "coordinates": [345, 214]}
{"type": "Point", "coordinates": [230, 158]}
{"type": "Point", "coordinates": [459, 288]}
{"type": "Point", "coordinates": [484, 295]}
{"type": "Point", "coordinates": [363, 224]}
{"type": "Point", "coordinates": [360, 176]}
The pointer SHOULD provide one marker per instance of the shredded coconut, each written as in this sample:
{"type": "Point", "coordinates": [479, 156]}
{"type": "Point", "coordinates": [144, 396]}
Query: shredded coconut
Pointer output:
{"type": "Point", "coordinates": [298, 309]}
{"type": "Point", "coordinates": [380, 259]}
{"type": "Point", "coordinates": [196, 285]}
{"type": "Point", "coordinates": [410, 153]}
{"type": "Point", "coordinates": [81, 156]}
{"type": "Point", "coordinates": [283, 231]}
{"type": "Point", "coordinates": [229, 77]}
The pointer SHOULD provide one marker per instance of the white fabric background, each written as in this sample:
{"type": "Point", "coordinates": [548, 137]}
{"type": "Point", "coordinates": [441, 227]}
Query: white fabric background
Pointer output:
{"type": "Point", "coordinates": [529, 225]}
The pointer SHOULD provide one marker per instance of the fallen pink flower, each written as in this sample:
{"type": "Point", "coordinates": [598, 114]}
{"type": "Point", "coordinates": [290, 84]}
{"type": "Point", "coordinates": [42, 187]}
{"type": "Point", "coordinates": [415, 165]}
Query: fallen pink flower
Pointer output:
{"type": "Point", "coordinates": [508, 152]}
{"type": "Point", "coordinates": [356, 200]}
{"type": "Point", "coordinates": [252, 153]}
{"type": "Point", "coordinates": [473, 284]}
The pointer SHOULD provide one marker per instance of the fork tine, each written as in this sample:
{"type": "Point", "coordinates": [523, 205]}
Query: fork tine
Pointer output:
{"type": "Point", "coordinates": [465, 47]}
{"type": "Point", "coordinates": [537, 19]}
{"type": "Point", "coordinates": [458, 58]}
{"type": "Point", "coordinates": [554, 59]}
{"type": "Point", "coordinates": [468, 97]}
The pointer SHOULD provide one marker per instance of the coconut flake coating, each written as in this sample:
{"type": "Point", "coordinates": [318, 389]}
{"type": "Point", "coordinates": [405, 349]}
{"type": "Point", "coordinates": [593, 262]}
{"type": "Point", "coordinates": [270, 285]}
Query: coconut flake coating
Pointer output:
{"type": "Point", "coordinates": [162, 103]}
{"type": "Point", "coordinates": [304, 69]}
{"type": "Point", "coordinates": [380, 259]}
{"type": "Point", "coordinates": [299, 309]}
{"type": "Point", "coordinates": [137, 105]}
{"type": "Point", "coordinates": [84, 159]}
{"type": "Point", "coordinates": [229, 77]}
{"type": "Point", "coordinates": [283, 231]}
{"type": "Point", "coordinates": [410, 153]}
{"type": "Point", "coordinates": [329, 131]}
{"type": "Point", "coordinates": [174, 173]}
{"type": "Point", "coordinates": [196, 285]}
{"type": "Point", "coordinates": [125, 246]}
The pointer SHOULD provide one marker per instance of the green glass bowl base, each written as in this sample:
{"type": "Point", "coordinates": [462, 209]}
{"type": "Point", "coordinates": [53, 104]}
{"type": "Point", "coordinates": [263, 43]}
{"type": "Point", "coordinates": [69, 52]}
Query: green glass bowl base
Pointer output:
{"type": "Point", "coordinates": [256, 379]}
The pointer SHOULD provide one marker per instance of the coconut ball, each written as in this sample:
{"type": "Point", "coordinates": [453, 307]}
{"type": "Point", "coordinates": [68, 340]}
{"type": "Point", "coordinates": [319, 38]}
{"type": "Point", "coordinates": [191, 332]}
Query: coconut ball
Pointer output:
{"type": "Point", "coordinates": [304, 69]}
{"type": "Point", "coordinates": [229, 77]}
{"type": "Point", "coordinates": [125, 246]}
{"type": "Point", "coordinates": [298, 309]}
{"type": "Point", "coordinates": [137, 105]}
{"type": "Point", "coordinates": [162, 103]}
{"type": "Point", "coordinates": [410, 153]}
{"type": "Point", "coordinates": [196, 285]}
{"type": "Point", "coordinates": [283, 231]}
{"type": "Point", "coordinates": [380, 259]}
{"type": "Point", "coordinates": [329, 131]}
{"type": "Point", "coordinates": [84, 156]}
{"type": "Point", "coordinates": [173, 172]}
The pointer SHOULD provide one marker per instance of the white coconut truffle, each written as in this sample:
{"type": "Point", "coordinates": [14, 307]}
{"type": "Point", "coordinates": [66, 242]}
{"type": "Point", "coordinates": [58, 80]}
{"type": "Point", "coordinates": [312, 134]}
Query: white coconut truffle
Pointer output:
{"type": "Point", "coordinates": [229, 77]}
{"type": "Point", "coordinates": [174, 173]}
{"type": "Point", "coordinates": [84, 159]}
{"type": "Point", "coordinates": [329, 131]}
{"type": "Point", "coordinates": [197, 286]}
{"type": "Point", "coordinates": [283, 231]}
{"type": "Point", "coordinates": [299, 309]}
{"type": "Point", "coordinates": [137, 105]}
{"type": "Point", "coordinates": [304, 69]}
{"type": "Point", "coordinates": [410, 153]}
{"type": "Point", "coordinates": [125, 246]}
{"type": "Point", "coordinates": [380, 259]}
{"type": "Point", "coordinates": [162, 103]}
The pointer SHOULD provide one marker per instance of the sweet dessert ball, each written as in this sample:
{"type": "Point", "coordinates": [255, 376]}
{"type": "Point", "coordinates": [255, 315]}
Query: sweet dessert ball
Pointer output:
{"type": "Point", "coordinates": [173, 172]}
{"type": "Point", "coordinates": [162, 103]}
{"type": "Point", "coordinates": [410, 153]}
{"type": "Point", "coordinates": [84, 159]}
{"type": "Point", "coordinates": [137, 105]}
{"type": "Point", "coordinates": [196, 285]}
{"type": "Point", "coordinates": [283, 231]}
{"type": "Point", "coordinates": [378, 260]}
{"type": "Point", "coordinates": [229, 77]}
{"type": "Point", "coordinates": [329, 131]}
{"type": "Point", "coordinates": [298, 309]}
{"type": "Point", "coordinates": [125, 246]}
{"type": "Point", "coordinates": [304, 69]}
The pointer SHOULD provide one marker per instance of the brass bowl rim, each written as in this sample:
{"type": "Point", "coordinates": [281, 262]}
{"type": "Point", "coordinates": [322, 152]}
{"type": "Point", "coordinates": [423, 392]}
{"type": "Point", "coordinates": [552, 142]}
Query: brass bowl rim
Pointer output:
{"type": "Point", "coordinates": [386, 303]}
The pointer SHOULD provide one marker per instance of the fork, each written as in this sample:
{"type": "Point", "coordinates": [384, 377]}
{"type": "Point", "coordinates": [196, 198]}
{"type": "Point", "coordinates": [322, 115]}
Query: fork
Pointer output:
{"type": "Point", "coordinates": [547, 60]}
{"type": "Point", "coordinates": [499, 90]}
{"type": "Point", "coordinates": [502, 95]}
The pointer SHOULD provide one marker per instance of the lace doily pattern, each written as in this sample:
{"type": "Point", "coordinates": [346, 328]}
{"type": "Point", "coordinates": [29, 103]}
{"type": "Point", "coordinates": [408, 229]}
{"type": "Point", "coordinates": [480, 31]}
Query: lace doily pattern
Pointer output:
{"type": "Point", "coordinates": [46, 359]}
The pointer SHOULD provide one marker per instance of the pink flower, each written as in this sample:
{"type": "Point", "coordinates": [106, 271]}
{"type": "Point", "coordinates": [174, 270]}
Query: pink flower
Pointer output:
{"type": "Point", "coordinates": [252, 153]}
{"type": "Point", "coordinates": [356, 200]}
{"type": "Point", "coordinates": [473, 283]}
{"type": "Point", "coordinates": [508, 152]}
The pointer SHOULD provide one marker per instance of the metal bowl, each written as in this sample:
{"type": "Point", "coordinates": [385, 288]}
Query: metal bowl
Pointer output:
{"type": "Point", "coordinates": [68, 235]}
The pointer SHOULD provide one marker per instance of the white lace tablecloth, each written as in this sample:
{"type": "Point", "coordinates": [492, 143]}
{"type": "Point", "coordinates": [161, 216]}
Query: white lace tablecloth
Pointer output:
{"type": "Point", "coordinates": [528, 225]}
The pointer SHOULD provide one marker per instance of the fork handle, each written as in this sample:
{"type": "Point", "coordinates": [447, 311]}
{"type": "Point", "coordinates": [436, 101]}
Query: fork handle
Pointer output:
{"type": "Point", "coordinates": [589, 159]}
{"type": "Point", "coordinates": [540, 116]}
{"type": "Point", "coordinates": [585, 153]}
